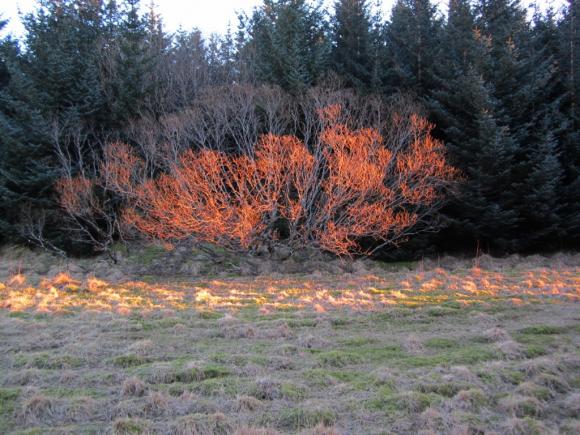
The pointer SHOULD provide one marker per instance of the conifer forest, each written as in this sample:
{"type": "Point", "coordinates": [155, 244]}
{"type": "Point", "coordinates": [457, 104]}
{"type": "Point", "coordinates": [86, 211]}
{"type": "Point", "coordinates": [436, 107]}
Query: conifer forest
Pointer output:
{"type": "Point", "coordinates": [497, 84]}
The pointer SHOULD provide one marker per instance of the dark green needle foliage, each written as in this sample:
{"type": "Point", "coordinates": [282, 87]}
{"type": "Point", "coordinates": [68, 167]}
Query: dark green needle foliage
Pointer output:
{"type": "Point", "coordinates": [500, 83]}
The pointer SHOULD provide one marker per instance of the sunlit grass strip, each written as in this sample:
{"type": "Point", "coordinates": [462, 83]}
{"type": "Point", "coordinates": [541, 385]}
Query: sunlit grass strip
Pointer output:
{"type": "Point", "coordinates": [321, 293]}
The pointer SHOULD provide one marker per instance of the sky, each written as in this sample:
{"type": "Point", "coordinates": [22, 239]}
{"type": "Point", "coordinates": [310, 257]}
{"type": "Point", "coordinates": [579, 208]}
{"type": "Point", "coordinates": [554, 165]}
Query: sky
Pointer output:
{"type": "Point", "coordinates": [210, 16]}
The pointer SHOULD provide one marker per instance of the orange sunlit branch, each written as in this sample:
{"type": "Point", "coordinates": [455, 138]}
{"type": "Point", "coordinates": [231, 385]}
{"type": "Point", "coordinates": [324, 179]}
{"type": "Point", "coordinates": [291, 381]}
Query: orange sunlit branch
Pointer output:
{"type": "Point", "coordinates": [348, 185]}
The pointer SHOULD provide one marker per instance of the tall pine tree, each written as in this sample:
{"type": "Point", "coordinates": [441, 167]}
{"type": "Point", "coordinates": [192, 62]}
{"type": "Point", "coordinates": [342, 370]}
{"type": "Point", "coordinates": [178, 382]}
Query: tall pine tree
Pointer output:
{"type": "Point", "coordinates": [289, 38]}
{"type": "Point", "coordinates": [411, 41]}
{"type": "Point", "coordinates": [570, 136]}
{"type": "Point", "coordinates": [352, 48]}
{"type": "Point", "coordinates": [473, 124]}
{"type": "Point", "coordinates": [130, 84]}
{"type": "Point", "coordinates": [540, 189]}
{"type": "Point", "coordinates": [27, 166]}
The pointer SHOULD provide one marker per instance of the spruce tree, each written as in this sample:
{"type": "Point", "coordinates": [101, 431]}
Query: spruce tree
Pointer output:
{"type": "Point", "coordinates": [157, 46]}
{"type": "Point", "coordinates": [4, 73]}
{"type": "Point", "coordinates": [58, 98]}
{"type": "Point", "coordinates": [474, 125]}
{"type": "Point", "coordinates": [540, 200]}
{"type": "Point", "coordinates": [289, 38]}
{"type": "Point", "coordinates": [27, 165]}
{"type": "Point", "coordinates": [61, 59]}
{"type": "Point", "coordinates": [352, 43]}
{"type": "Point", "coordinates": [460, 55]}
{"type": "Point", "coordinates": [484, 149]}
{"type": "Point", "coordinates": [488, 201]}
{"type": "Point", "coordinates": [494, 72]}
{"type": "Point", "coordinates": [569, 35]}
{"type": "Point", "coordinates": [539, 189]}
{"type": "Point", "coordinates": [189, 67]}
{"type": "Point", "coordinates": [411, 41]}
{"type": "Point", "coordinates": [132, 65]}
{"type": "Point", "coordinates": [222, 59]}
{"type": "Point", "coordinates": [379, 55]}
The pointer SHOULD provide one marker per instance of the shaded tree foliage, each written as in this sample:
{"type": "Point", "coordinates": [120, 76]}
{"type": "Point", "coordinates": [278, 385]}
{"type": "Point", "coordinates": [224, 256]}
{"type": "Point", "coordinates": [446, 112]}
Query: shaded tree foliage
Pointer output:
{"type": "Point", "coordinates": [289, 38]}
{"type": "Point", "coordinates": [499, 92]}
{"type": "Point", "coordinates": [501, 89]}
{"type": "Point", "coordinates": [352, 50]}
{"type": "Point", "coordinates": [27, 164]}
{"type": "Point", "coordinates": [411, 39]}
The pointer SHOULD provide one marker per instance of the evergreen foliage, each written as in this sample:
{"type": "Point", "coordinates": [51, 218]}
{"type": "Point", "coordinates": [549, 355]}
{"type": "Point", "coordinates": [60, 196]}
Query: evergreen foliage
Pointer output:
{"type": "Point", "coordinates": [411, 40]}
{"type": "Point", "coordinates": [569, 138]}
{"type": "Point", "coordinates": [490, 53]}
{"type": "Point", "coordinates": [501, 89]}
{"type": "Point", "coordinates": [27, 168]}
{"type": "Point", "coordinates": [352, 43]}
{"type": "Point", "coordinates": [290, 42]}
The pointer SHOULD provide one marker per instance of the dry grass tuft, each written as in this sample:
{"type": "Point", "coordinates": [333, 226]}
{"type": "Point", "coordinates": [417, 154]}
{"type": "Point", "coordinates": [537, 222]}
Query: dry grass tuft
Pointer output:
{"type": "Point", "coordinates": [228, 319]}
{"type": "Point", "coordinates": [247, 403]}
{"type": "Point", "coordinates": [95, 284]}
{"type": "Point", "coordinates": [556, 383]}
{"type": "Point", "coordinates": [322, 429]}
{"type": "Point", "coordinates": [472, 399]}
{"type": "Point", "coordinates": [571, 427]}
{"type": "Point", "coordinates": [141, 347]}
{"type": "Point", "coordinates": [524, 426]}
{"type": "Point", "coordinates": [530, 389]}
{"type": "Point", "coordinates": [129, 408]}
{"type": "Point", "coordinates": [522, 406]}
{"type": "Point", "coordinates": [179, 328]}
{"type": "Point", "coordinates": [23, 377]}
{"type": "Point", "coordinates": [38, 409]}
{"type": "Point", "coordinates": [385, 375]}
{"type": "Point", "coordinates": [310, 341]}
{"type": "Point", "coordinates": [412, 401]}
{"type": "Point", "coordinates": [129, 426]}
{"type": "Point", "coordinates": [159, 372]}
{"type": "Point", "coordinates": [156, 404]}
{"type": "Point", "coordinates": [571, 405]}
{"type": "Point", "coordinates": [233, 330]}
{"type": "Point", "coordinates": [412, 344]}
{"type": "Point", "coordinates": [481, 318]}
{"type": "Point", "coordinates": [496, 334]}
{"type": "Point", "coordinates": [67, 377]}
{"type": "Point", "coordinates": [81, 409]}
{"type": "Point", "coordinates": [463, 374]}
{"type": "Point", "coordinates": [431, 418]}
{"type": "Point", "coordinates": [202, 424]}
{"type": "Point", "coordinates": [256, 431]}
{"type": "Point", "coordinates": [281, 330]}
{"type": "Point", "coordinates": [61, 280]}
{"type": "Point", "coordinates": [266, 389]}
{"type": "Point", "coordinates": [511, 349]}
{"type": "Point", "coordinates": [541, 365]}
{"type": "Point", "coordinates": [134, 387]}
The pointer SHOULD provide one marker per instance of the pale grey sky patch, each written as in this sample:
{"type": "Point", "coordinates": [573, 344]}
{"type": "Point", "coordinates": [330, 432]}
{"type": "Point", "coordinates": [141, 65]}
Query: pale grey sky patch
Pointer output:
{"type": "Point", "coordinates": [208, 15]}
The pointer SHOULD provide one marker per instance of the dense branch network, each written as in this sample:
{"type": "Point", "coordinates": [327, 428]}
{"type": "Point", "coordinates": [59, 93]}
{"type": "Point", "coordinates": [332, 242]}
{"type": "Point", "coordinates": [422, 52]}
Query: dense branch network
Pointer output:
{"type": "Point", "coordinates": [348, 187]}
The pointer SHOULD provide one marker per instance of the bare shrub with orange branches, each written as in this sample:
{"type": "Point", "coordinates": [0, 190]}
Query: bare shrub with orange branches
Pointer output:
{"type": "Point", "coordinates": [348, 187]}
{"type": "Point", "coordinates": [93, 203]}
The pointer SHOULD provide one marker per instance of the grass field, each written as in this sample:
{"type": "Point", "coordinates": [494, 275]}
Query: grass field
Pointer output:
{"type": "Point", "coordinates": [468, 351]}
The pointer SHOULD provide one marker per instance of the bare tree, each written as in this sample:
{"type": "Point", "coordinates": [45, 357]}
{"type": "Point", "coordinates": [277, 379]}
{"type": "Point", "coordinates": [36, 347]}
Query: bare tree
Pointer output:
{"type": "Point", "coordinates": [352, 186]}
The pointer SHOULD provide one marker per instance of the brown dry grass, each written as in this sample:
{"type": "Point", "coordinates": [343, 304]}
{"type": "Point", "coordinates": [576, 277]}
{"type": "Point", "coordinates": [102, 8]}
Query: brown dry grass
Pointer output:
{"type": "Point", "coordinates": [422, 351]}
